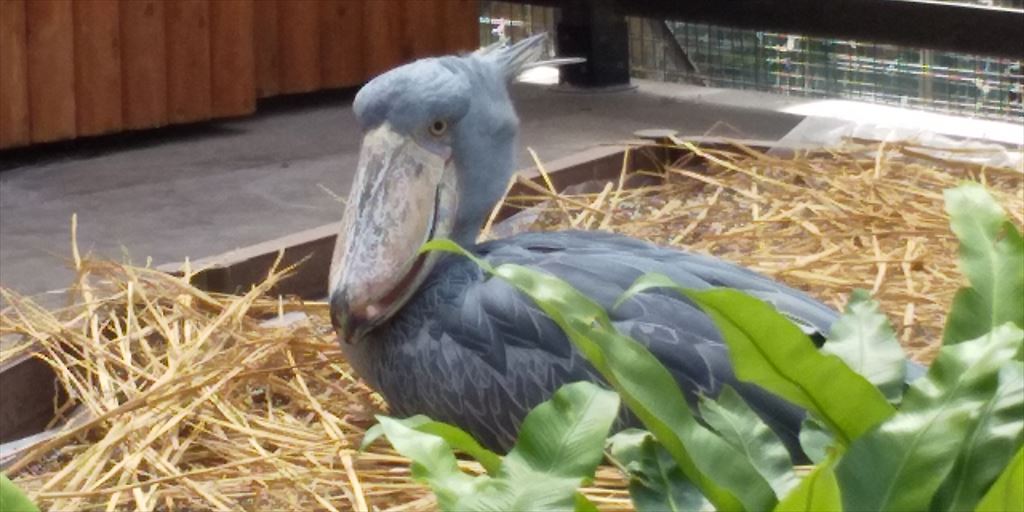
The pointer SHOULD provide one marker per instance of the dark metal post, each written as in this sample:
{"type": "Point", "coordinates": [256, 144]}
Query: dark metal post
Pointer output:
{"type": "Point", "coordinates": [596, 31]}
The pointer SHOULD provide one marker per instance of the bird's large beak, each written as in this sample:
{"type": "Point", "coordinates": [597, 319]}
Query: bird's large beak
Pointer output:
{"type": "Point", "coordinates": [403, 195]}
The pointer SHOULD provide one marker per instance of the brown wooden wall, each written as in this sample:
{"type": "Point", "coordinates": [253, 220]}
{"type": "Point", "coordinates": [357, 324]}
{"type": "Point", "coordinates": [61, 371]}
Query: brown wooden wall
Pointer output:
{"type": "Point", "coordinates": [71, 68]}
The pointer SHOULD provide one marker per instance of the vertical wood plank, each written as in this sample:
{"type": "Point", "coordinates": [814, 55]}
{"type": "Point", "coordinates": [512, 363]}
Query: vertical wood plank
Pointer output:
{"type": "Point", "coordinates": [265, 37]}
{"type": "Point", "coordinates": [385, 45]}
{"type": "Point", "coordinates": [424, 32]}
{"type": "Point", "coordinates": [462, 25]}
{"type": "Point", "coordinates": [232, 64]}
{"type": "Point", "coordinates": [143, 63]}
{"type": "Point", "coordinates": [188, 60]}
{"type": "Point", "coordinates": [299, 39]}
{"type": "Point", "coordinates": [97, 67]}
{"type": "Point", "coordinates": [14, 122]}
{"type": "Point", "coordinates": [341, 43]}
{"type": "Point", "coordinates": [51, 69]}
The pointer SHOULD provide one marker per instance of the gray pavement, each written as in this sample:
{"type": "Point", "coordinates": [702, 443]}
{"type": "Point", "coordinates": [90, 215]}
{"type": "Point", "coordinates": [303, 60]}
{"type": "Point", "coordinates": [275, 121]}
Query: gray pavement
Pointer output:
{"type": "Point", "coordinates": [210, 188]}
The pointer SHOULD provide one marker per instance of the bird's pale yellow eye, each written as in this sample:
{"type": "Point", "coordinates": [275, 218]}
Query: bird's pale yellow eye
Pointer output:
{"type": "Point", "coordinates": [437, 128]}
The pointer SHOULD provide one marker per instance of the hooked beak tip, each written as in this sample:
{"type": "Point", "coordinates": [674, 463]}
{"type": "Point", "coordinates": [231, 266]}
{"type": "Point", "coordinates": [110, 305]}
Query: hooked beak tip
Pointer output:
{"type": "Point", "coordinates": [352, 324]}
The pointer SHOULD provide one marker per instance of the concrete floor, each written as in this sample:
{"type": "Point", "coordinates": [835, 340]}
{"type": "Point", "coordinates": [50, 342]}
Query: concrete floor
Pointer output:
{"type": "Point", "coordinates": [205, 189]}
{"type": "Point", "coordinates": [209, 188]}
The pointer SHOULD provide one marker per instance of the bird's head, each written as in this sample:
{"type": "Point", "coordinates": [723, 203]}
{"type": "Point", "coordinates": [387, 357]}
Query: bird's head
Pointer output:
{"type": "Point", "coordinates": [439, 145]}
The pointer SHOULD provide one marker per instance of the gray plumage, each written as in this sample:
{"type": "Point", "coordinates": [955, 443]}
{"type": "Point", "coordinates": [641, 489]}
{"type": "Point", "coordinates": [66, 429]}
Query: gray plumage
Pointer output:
{"type": "Point", "coordinates": [467, 349]}
{"type": "Point", "coordinates": [471, 350]}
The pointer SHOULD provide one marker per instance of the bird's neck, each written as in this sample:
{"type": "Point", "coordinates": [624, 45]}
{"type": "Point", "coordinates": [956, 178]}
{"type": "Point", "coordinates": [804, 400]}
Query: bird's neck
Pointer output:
{"type": "Point", "coordinates": [479, 194]}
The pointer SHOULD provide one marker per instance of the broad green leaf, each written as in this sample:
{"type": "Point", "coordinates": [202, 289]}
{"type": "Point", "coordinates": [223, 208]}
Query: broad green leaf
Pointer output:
{"type": "Point", "coordinates": [12, 499]}
{"type": "Point", "coordinates": [564, 436]}
{"type": "Point", "coordinates": [989, 445]}
{"type": "Point", "coordinates": [643, 383]}
{"type": "Point", "coordinates": [722, 474]}
{"type": "Point", "coordinates": [432, 462]}
{"type": "Point", "coordinates": [815, 440]}
{"type": "Point", "coordinates": [455, 437]}
{"type": "Point", "coordinates": [901, 464]}
{"type": "Point", "coordinates": [767, 349]}
{"type": "Point", "coordinates": [584, 505]}
{"type": "Point", "coordinates": [1007, 493]}
{"type": "Point", "coordinates": [656, 484]}
{"type": "Point", "coordinates": [817, 492]}
{"type": "Point", "coordinates": [530, 492]}
{"type": "Point", "coordinates": [560, 444]}
{"type": "Point", "coordinates": [865, 341]}
{"type": "Point", "coordinates": [992, 259]}
{"type": "Point", "coordinates": [741, 427]}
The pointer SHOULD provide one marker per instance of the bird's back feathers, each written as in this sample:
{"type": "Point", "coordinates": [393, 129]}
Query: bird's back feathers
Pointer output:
{"type": "Point", "coordinates": [468, 348]}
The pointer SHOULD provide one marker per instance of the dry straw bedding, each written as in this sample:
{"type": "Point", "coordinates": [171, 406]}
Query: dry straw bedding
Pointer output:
{"type": "Point", "coordinates": [187, 400]}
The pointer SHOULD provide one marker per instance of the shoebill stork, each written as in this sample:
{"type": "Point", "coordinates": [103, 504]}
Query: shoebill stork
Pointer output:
{"type": "Point", "coordinates": [433, 333]}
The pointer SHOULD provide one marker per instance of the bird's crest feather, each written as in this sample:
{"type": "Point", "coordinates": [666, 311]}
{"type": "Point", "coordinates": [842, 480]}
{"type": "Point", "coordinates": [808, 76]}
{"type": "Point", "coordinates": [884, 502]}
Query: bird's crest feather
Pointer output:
{"type": "Point", "coordinates": [522, 56]}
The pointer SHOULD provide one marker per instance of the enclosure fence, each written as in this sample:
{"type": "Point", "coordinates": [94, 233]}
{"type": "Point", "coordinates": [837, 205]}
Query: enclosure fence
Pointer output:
{"type": "Point", "coordinates": [797, 65]}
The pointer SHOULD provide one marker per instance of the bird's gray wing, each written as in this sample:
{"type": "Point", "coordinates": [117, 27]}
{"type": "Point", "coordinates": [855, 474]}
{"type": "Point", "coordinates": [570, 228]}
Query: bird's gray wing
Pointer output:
{"type": "Point", "coordinates": [469, 350]}
{"type": "Point", "coordinates": [627, 258]}
{"type": "Point", "coordinates": [504, 328]}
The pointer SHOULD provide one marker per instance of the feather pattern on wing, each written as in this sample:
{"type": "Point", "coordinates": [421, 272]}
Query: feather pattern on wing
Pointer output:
{"type": "Point", "coordinates": [471, 349]}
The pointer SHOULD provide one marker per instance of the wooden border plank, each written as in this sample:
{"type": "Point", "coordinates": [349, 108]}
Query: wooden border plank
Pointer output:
{"type": "Point", "coordinates": [232, 61]}
{"type": "Point", "coordinates": [341, 44]}
{"type": "Point", "coordinates": [299, 43]}
{"type": "Point", "coordinates": [265, 35]}
{"type": "Point", "coordinates": [97, 67]}
{"type": "Point", "coordinates": [235, 270]}
{"type": "Point", "coordinates": [14, 120]}
{"type": "Point", "coordinates": [51, 69]}
{"type": "Point", "coordinates": [144, 63]}
{"type": "Point", "coordinates": [29, 387]}
{"type": "Point", "coordinates": [188, 60]}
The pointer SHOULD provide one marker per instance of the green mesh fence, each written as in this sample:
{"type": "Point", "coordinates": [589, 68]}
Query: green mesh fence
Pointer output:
{"type": "Point", "coordinates": [792, 64]}
{"type": "Point", "coordinates": [795, 65]}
